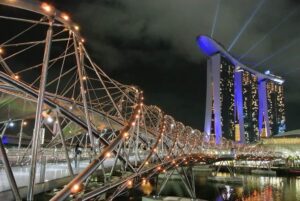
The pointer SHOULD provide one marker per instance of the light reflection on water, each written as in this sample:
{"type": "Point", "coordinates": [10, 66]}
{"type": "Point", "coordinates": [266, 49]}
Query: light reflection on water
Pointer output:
{"type": "Point", "coordinates": [254, 188]}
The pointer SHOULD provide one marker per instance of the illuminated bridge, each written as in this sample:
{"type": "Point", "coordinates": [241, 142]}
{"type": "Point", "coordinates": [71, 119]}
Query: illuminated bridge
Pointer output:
{"type": "Point", "coordinates": [55, 99]}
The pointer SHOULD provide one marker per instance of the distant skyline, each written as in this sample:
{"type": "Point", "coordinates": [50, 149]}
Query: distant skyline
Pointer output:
{"type": "Point", "coordinates": [152, 44]}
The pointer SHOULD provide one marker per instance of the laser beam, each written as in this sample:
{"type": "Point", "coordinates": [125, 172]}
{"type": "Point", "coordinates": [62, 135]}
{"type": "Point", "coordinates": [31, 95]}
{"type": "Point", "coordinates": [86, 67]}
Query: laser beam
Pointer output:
{"type": "Point", "coordinates": [268, 33]}
{"type": "Point", "coordinates": [215, 18]}
{"type": "Point", "coordinates": [245, 25]}
{"type": "Point", "coordinates": [277, 52]}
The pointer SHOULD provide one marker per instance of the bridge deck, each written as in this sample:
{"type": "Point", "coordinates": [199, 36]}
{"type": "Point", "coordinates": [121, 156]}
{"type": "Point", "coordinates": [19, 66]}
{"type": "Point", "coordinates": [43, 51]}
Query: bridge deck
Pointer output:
{"type": "Point", "coordinates": [53, 171]}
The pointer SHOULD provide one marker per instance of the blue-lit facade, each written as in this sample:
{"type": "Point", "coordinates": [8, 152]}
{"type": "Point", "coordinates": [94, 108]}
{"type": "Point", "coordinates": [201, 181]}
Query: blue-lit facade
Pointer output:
{"type": "Point", "coordinates": [241, 103]}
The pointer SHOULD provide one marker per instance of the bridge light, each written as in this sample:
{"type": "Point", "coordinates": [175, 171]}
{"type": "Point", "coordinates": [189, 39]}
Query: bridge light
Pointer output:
{"type": "Point", "coordinates": [137, 116]}
{"type": "Point", "coordinates": [84, 78]}
{"type": "Point", "coordinates": [108, 154]}
{"type": "Point", "coordinates": [11, 124]}
{"type": "Point", "coordinates": [133, 123]}
{"type": "Point", "coordinates": [50, 119]}
{"type": "Point", "coordinates": [46, 7]}
{"type": "Point", "coordinates": [158, 168]}
{"type": "Point", "coordinates": [126, 134]}
{"type": "Point", "coordinates": [25, 123]}
{"type": "Point", "coordinates": [76, 27]}
{"type": "Point", "coordinates": [146, 163]}
{"type": "Point", "coordinates": [1, 51]}
{"type": "Point", "coordinates": [75, 188]}
{"type": "Point", "coordinates": [129, 183]}
{"type": "Point", "coordinates": [17, 77]}
{"type": "Point", "coordinates": [65, 16]}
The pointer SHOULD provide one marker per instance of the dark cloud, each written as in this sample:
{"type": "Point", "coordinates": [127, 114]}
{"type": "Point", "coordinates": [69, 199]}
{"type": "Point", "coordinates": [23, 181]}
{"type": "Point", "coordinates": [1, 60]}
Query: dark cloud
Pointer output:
{"type": "Point", "coordinates": [151, 43]}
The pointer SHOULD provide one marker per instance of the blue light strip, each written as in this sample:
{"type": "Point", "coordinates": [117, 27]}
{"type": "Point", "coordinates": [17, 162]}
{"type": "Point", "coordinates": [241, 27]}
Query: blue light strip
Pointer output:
{"type": "Point", "coordinates": [262, 107]}
{"type": "Point", "coordinates": [238, 99]}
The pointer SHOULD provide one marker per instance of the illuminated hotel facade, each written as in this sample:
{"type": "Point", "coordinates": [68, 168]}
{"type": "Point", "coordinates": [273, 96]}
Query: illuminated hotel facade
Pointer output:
{"type": "Point", "coordinates": [241, 104]}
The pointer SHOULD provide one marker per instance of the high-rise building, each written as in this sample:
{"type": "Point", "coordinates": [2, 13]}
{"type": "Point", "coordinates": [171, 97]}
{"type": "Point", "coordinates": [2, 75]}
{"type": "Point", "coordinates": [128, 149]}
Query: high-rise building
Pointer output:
{"type": "Point", "coordinates": [241, 104]}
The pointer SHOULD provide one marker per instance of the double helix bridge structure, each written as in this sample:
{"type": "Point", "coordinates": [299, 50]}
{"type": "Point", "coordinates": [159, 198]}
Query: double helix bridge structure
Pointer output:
{"type": "Point", "coordinates": [54, 99]}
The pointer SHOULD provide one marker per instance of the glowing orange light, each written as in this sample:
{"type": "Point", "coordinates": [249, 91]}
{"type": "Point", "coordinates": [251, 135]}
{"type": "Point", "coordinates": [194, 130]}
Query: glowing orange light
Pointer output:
{"type": "Point", "coordinates": [17, 77]}
{"type": "Point", "coordinates": [75, 188]}
{"type": "Point", "coordinates": [65, 16]}
{"type": "Point", "coordinates": [107, 154]}
{"type": "Point", "coordinates": [76, 27]}
{"type": "Point", "coordinates": [84, 77]}
{"type": "Point", "coordinates": [129, 184]}
{"type": "Point", "coordinates": [1, 51]}
{"type": "Point", "coordinates": [46, 7]}
{"type": "Point", "coordinates": [126, 134]}
{"type": "Point", "coordinates": [146, 163]}
{"type": "Point", "coordinates": [133, 123]}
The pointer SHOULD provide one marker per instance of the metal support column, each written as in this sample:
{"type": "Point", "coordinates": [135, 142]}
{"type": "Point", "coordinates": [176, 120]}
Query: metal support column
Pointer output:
{"type": "Point", "coordinates": [20, 140]}
{"type": "Point", "coordinates": [8, 171]}
{"type": "Point", "coordinates": [20, 135]}
{"type": "Point", "coordinates": [164, 183]}
{"type": "Point", "coordinates": [4, 129]}
{"type": "Point", "coordinates": [38, 114]}
{"type": "Point", "coordinates": [79, 59]}
{"type": "Point", "coordinates": [137, 143]}
{"type": "Point", "coordinates": [64, 145]}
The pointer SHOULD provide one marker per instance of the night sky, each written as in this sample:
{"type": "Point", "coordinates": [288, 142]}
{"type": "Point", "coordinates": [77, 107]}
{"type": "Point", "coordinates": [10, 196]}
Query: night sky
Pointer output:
{"type": "Point", "coordinates": [151, 44]}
